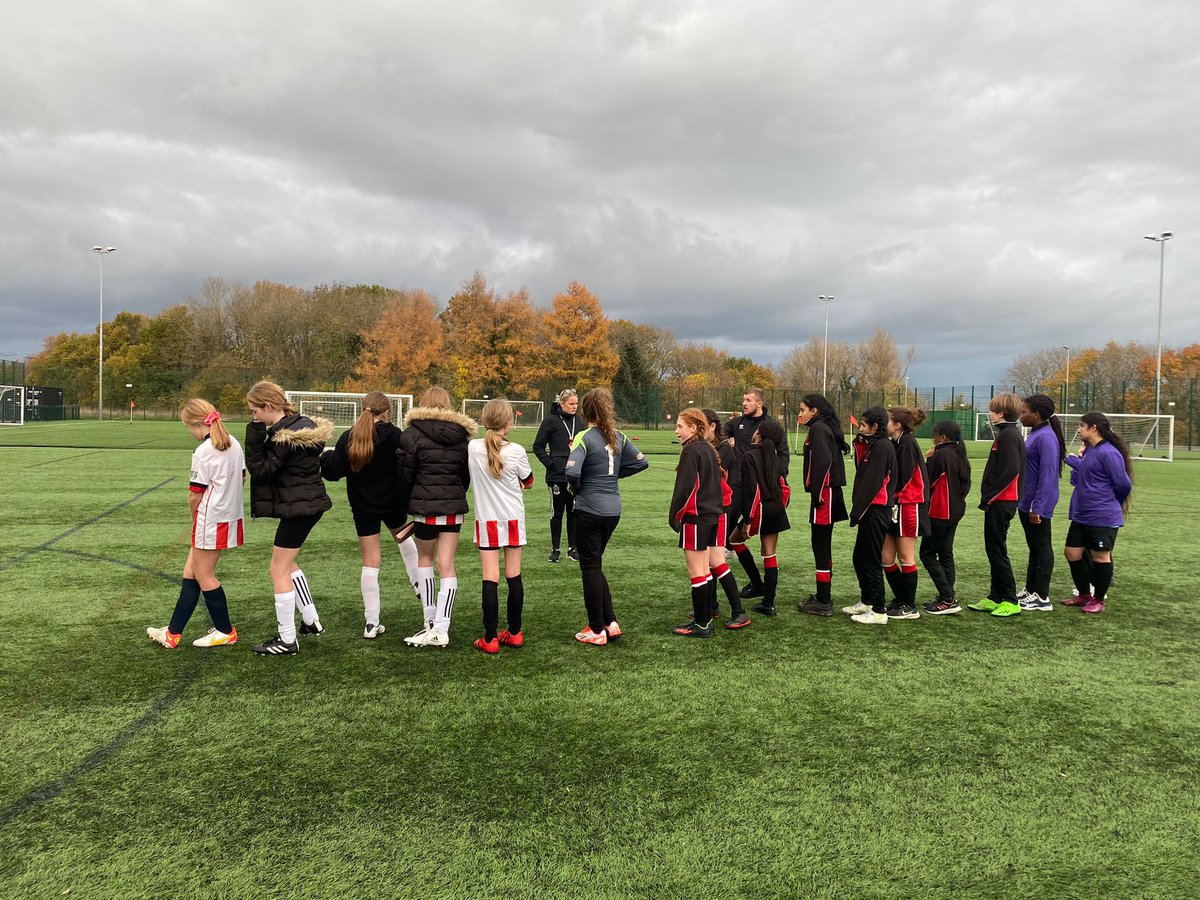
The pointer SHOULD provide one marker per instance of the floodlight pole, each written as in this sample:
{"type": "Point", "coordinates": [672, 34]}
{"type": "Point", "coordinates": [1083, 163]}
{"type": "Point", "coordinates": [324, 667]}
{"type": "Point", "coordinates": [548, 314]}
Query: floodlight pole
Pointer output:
{"type": "Point", "coordinates": [1067, 389]}
{"type": "Point", "coordinates": [102, 251]}
{"type": "Point", "coordinates": [1161, 240]}
{"type": "Point", "coordinates": [825, 365]}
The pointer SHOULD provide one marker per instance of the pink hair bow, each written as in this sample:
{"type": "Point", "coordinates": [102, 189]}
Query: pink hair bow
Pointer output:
{"type": "Point", "coordinates": [213, 416]}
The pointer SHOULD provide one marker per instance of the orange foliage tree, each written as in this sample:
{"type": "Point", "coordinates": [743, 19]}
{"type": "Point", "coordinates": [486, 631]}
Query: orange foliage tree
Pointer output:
{"type": "Point", "coordinates": [403, 351]}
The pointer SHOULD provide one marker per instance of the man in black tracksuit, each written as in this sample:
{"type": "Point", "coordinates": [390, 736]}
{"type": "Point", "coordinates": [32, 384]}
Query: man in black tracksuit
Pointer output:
{"type": "Point", "coordinates": [552, 446]}
{"type": "Point", "coordinates": [740, 430]}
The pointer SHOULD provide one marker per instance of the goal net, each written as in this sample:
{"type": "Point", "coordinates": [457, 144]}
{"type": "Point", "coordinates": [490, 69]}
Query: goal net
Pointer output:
{"type": "Point", "coordinates": [342, 408]}
{"type": "Point", "coordinates": [985, 432]}
{"type": "Point", "coordinates": [1148, 436]}
{"type": "Point", "coordinates": [12, 404]}
{"type": "Point", "coordinates": [526, 413]}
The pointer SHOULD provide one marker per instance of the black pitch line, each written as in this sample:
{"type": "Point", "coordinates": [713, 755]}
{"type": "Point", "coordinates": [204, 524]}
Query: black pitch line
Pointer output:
{"type": "Point", "coordinates": [62, 459]}
{"type": "Point", "coordinates": [98, 756]}
{"type": "Point", "coordinates": [92, 521]}
{"type": "Point", "coordinates": [173, 579]}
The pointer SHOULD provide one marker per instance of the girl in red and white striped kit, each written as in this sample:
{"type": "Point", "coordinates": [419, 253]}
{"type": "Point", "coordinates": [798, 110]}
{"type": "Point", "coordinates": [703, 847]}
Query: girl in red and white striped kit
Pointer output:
{"type": "Point", "coordinates": [500, 472]}
{"type": "Point", "coordinates": [215, 498]}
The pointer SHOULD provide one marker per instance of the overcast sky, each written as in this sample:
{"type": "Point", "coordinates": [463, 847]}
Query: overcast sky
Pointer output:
{"type": "Point", "coordinates": [976, 177]}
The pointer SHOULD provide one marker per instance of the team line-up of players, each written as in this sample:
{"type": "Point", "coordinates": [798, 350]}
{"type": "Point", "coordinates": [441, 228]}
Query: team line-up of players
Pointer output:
{"type": "Point", "coordinates": [731, 485]}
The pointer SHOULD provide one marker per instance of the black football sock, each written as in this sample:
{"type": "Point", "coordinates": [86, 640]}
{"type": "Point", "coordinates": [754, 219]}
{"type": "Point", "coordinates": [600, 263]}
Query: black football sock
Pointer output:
{"type": "Point", "coordinates": [491, 609]}
{"type": "Point", "coordinates": [1102, 574]}
{"type": "Point", "coordinates": [892, 574]}
{"type": "Point", "coordinates": [516, 603]}
{"type": "Point", "coordinates": [189, 596]}
{"type": "Point", "coordinates": [1081, 574]}
{"type": "Point", "coordinates": [746, 558]}
{"type": "Point", "coordinates": [218, 609]}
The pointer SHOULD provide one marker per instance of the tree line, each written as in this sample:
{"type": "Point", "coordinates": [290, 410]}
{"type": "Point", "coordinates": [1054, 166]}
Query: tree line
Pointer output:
{"type": "Point", "coordinates": [479, 342]}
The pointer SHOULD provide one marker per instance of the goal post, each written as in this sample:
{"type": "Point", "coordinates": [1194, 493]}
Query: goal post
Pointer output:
{"type": "Point", "coordinates": [1148, 436]}
{"type": "Point", "coordinates": [526, 413]}
{"type": "Point", "coordinates": [12, 404]}
{"type": "Point", "coordinates": [342, 408]}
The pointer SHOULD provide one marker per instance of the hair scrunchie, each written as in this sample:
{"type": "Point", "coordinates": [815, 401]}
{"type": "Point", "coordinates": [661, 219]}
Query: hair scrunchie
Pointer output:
{"type": "Point", "coordinates": [213, 416]}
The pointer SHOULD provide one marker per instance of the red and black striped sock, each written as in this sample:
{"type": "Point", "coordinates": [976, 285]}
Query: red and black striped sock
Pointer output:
{"type": "Point", "coordinates": [824, 586]}
{"type": "Point", "coordinates": [746, 558]}
{"type": "Point", "coordinates": [892, 574]}
{"type": "Point", "coordinates": [701, 614]}
{"type": "Point", "coordinates": [770, 579]}
{"type": "Point", "coordinates": [908, 580]}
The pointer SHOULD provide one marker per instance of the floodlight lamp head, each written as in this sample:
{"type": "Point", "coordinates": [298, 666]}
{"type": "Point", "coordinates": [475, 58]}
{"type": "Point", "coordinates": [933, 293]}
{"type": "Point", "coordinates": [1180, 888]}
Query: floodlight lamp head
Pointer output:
{"type": "Point", "coordinates": [1167, 235]}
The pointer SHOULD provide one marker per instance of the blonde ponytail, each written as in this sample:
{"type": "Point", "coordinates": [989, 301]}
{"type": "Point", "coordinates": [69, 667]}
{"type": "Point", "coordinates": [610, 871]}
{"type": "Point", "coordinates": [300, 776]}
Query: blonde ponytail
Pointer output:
{"type": "Point", "coordinates": [202, 414]}
{"type": "Point", "coordinates": [362, 434]}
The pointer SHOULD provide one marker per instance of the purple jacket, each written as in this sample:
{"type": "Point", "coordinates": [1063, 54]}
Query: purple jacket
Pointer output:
{"type": "Point", "coordinates": [1101, 486]}
{"type": "Point", "coordinates": [1042, 470]}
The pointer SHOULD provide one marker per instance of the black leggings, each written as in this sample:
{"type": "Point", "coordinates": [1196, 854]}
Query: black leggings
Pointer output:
{"type": "Point", "coordinates": [937, 555]}
{"type": "Point", "coordinates": [594, 533]}
{"type": "Point", "coordinates": [822, 548]}
{"type": "Point", "coordinates": [561, 500]}
{"type": "Point", "coordinates": [996, 519]}
{"type": "Point", "coordinates": [868, 556]}
{"type": "Point", "coordinates": [1041, 556]}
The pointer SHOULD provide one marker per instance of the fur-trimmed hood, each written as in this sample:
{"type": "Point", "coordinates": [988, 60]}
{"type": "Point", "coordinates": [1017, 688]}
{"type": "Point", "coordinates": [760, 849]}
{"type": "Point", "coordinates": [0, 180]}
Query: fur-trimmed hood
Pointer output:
{"type": "Point", "coordinates": [430, 415]}
{"type": "Point", "coordinates": [305, 436]}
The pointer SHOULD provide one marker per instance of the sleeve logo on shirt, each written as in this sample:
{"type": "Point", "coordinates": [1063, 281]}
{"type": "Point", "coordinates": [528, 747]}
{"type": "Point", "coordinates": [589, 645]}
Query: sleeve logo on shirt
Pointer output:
{"type": "Point", "coordinates": [570, 463]}
{"type": "Point", "coordinates": [640, 456]}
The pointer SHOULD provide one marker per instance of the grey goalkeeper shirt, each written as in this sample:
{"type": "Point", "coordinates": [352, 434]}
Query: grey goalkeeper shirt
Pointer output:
{"type": "Point", "coordinates": [594, 468]}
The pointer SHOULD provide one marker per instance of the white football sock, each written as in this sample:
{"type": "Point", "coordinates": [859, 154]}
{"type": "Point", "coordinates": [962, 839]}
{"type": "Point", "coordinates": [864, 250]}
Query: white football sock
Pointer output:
{"type": "Point", "coordinates": [304, 600]}
{"type": "Point", "coordinates": [425, 592]}
{"type": "Point", "coordinates": [445, 605]}
{"type": "Point", "coordinates": [285, 614]}
{"type": "Point", "coordinates": [368, 581]}
{"type": "Point", "coordinates": [408, 551]}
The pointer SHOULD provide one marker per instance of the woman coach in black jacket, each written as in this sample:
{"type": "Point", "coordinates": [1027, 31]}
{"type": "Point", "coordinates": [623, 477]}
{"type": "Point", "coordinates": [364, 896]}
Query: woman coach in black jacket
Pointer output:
{"type": "Point", "coordinates": [552, 446]}
{"type": "Point", "coordinates": [283, 457]}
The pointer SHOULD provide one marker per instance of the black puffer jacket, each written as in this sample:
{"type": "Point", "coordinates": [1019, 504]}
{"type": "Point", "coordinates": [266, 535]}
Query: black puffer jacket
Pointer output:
{"type": "Point", "coordinates": [552, 445]}
{"type": "Point", "coordinates": [284, 462]}
{"type": "Point", "coordinates": [432, 462]}
{"type": "Point", "coordinates": [374, 489]}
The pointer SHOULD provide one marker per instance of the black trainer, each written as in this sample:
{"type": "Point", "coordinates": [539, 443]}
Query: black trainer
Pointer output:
{"type": "Point", "coordinates": [277, 646]}
{"type": "Point", "coordinates": [814, 607]}
{"type": "Point", "coordinates": [555, 555]}
{"type": "Point", "coordinates": [693, 629]}
{"type": "Point", "coordinates": [766, 610]}
{"type": "Point", "coordinates": [751, 590]}
{"type": "Point", "coordinates": [943, 607]}
{"type": "Point", "coordinates": [902, 611]}
{"type": "Point", "coordinates": [741, 620]}
{"type": "Point", "coordinates": [572, 553]}
{"type": "Point", "coordinates": [314, 629]}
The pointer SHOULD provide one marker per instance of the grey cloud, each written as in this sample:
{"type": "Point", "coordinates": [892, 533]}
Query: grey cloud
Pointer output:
{"type": "Point", "coordinates": [974, 177]}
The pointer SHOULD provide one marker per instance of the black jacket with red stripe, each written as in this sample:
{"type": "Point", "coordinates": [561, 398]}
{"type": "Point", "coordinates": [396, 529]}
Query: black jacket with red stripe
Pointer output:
{"type": "Point", "coordinates": [823, 463]}
{"type": "Point", "coordinates": [949, 482]}
{"type": "Point", "coordinates": [1004, 474]}
{"type": "Point", "coordinates": [874, 476]}
{"type": "Point", "coordinates": [911, 478]}
{"type": "Point", "coordinates": [696, 499]}
{"type": "Point", "coordinates": [753, 503]}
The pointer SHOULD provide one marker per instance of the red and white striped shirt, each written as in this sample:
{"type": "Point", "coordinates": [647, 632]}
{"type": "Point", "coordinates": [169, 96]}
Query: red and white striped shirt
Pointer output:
{"type": "Point", "coordinates": [499, 506]}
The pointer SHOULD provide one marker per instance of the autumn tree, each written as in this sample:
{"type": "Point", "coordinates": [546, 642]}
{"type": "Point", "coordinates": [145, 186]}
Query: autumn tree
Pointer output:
{"type": "Point", "coordinates": [801, 369]}
{"type": "Point", "coordinates": [1034, 371]}
{"type": "Point", "coordinates": [518, 341]}
{"type": "Point", "coordinates": [402, 352]}
{"type": "Point", "coordinates": [880, 366]}
{"type": "Point", "coordinates": [578, 351]}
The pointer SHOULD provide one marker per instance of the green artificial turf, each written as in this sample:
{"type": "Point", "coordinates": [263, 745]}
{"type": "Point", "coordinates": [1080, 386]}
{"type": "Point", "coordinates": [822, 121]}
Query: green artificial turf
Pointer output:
{"type": "Point", "coordinates": [1048, 755]}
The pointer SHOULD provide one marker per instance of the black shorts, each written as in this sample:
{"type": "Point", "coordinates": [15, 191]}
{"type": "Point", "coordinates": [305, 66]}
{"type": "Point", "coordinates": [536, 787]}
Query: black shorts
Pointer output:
{"type": "Point", "coordinates": [367, 524]}
{"type": "Point", "coordinates": [426, 532]}
{"type": "Point", "coordinates": [292, 532]}
{"type": "Point", "coordinates": [699, 537]}
{"type": "Point", "coordinates": [1092, 537]}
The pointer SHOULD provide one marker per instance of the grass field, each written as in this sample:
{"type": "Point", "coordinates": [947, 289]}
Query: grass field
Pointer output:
{"type": "Point", "coordinates": [1051, 755]}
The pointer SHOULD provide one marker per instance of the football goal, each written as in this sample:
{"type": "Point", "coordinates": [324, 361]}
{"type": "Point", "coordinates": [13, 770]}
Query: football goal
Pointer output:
{"type": "Point", "coordinates": [343, 408]}
{"type": "Point", "coordinates": [526, 413]}
{"type": "Point", "coordinates": [12, 404]}
{"type": "Point", "coordinates": [1148, 436]}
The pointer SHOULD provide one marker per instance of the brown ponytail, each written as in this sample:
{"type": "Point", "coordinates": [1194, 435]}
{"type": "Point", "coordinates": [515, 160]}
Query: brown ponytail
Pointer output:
{"type": "Point", "coordinates": [362, 434]}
